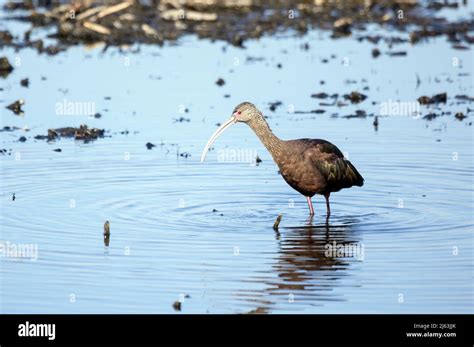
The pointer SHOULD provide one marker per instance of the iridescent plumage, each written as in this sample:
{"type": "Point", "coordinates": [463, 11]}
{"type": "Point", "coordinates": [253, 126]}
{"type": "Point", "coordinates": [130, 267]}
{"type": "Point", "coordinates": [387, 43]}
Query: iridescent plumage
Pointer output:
{"type": "Point", "coordinates": [310, 166]}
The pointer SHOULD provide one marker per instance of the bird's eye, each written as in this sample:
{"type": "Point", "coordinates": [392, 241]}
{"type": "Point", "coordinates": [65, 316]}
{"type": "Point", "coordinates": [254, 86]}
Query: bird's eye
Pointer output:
{"type": "Point", "coordinates": [239, 112]}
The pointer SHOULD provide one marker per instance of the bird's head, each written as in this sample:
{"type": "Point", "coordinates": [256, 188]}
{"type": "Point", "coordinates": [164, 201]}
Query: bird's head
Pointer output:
{"type": "Point", "coordinates": [244, 112]}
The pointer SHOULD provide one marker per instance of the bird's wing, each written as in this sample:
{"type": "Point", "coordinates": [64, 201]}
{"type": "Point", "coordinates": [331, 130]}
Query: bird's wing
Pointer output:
{"type": "Point", "coordinates": [329, 160]}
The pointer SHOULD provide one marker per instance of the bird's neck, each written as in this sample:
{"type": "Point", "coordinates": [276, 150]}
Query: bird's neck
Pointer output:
{"type": "Point", "coordinates": [261, 128]}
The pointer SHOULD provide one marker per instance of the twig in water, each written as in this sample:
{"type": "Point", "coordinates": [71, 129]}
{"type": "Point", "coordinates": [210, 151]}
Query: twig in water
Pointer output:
{"type": "Point", "coordinates": [277, 222]}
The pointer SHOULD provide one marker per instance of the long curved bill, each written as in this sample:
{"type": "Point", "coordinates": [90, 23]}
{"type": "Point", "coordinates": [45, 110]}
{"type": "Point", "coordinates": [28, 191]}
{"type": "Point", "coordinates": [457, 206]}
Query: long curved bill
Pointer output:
{"type": "Point", "coordinates": [214, 136]}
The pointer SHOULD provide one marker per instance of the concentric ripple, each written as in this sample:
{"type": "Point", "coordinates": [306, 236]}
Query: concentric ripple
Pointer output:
{"type": "Point", "coordinates": [203, 233]}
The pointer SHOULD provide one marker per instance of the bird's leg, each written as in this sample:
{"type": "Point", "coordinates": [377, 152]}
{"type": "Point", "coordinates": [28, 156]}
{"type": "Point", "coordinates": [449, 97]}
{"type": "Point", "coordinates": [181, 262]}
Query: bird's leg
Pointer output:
{"type": "Point", "coordinates": [328, 208]}
{"type": "Point", "coordinates": [310, 205]}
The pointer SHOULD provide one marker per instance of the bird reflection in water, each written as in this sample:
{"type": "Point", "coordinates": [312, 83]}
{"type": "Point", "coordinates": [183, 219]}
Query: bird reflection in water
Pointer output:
{"type": "Point", "coordinates": [310, 263]}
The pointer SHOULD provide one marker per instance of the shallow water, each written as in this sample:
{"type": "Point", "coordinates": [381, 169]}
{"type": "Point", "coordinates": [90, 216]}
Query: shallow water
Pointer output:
{"type": "Point", "coordinates": [411, 222]}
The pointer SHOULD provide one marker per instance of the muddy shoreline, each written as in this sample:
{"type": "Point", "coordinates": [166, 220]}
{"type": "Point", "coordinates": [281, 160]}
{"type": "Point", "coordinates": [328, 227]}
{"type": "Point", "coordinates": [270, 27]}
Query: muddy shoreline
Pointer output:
{"type": "Point", "coordinates": [120, 23]}
{"type": "Point", "coordinates": [117, 23]}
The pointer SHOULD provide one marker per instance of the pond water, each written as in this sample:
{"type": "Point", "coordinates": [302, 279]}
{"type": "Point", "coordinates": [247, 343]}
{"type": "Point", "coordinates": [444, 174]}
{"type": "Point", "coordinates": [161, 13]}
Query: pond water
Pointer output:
{"type": "Point", "coordinates": [410, 226]}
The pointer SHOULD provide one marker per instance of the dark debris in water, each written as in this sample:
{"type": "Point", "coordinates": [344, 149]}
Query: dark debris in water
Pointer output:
{"type": "Point", "coordinates": [106, 233]}
{"type": "Point", "coordinates": [317, 111]}
{"type": "Point", "coordinates": [435, 99]}
{"type": "Point", "coordinates": [177, 305]}
{"type": "Point", "coordinates": [431, 116]}
{"type": "Point", "coordinates": [357, 114]}
{"type": "Point", "coordinates": [16, 107]}
{"type": "Point", "coordinates": [4, 151]}
{"type": "Point", "coordinates": [5, 37]}
{"type": "Point", "coordinates": [9, 128]}
{"type": "Point", "coordinates": [355, 97]}
{"type": "Point", "coordinates": [25, 82]}
{"type": "Point", "coordinates": [83, 133]}
{"type": "Point", "coordinates": [5, 67]}
{"type": "Point", "coordinates": [182, 120]}
{"type": "Point", "coordinates": [376, 123]}
{"type": "Point", "coordinates": [342, 27]}
{"type": "Point", "coordinates": [375, 52]}
{"type": "Point", "coordinates": [274, 105]}
{"type": "Point", "coordinates": [320, 95]}
{"type": "Point", "coordinates": [149, 145]}
{"type": "Point", "coordinates": [460, 116]}
{"type": "Point", "coordinates": [254, 59]}
{"type": "Point", "coordinates": [397, 53]}
{"type": "Point", "coordinates": [464, 98]}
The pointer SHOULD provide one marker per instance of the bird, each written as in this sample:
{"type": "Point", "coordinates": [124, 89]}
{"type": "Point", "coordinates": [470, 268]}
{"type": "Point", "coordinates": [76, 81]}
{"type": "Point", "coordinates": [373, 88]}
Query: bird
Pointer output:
{"type": "Point", "coordinates": [310, 166]}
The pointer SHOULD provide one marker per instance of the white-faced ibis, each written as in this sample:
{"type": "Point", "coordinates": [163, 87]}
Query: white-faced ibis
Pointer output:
{"type": "Point", "coordinates": [310, 166]}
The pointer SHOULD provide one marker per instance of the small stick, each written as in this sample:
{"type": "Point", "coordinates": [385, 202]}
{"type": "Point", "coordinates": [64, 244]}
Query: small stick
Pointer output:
{"type": "Point", "coordinates": [89, 12]}
{"type": "Point", "coordinates": [106, 233]}
{"type": "Point", "coordinates": [149, 30]}
{"type": "Point", "coordinates": [113, 9]}
{"type": "Point", "coordinates": [97, 28]}
{"type": "Point", "coordinates": [177, 305]}
{"type": "Point", "coordinates": [277, 222]}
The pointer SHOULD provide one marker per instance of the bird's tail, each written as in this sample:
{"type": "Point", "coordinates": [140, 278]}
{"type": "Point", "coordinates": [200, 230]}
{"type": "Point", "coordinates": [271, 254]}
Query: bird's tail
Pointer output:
{"type": "Point", "coordinates": [356, 177]}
